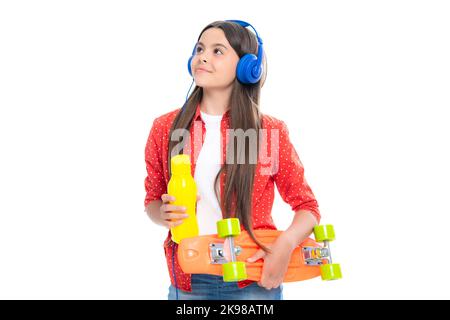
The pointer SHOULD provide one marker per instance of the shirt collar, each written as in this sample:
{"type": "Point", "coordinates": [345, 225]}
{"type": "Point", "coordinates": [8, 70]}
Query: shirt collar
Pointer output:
{"type": "Point", "coordinates": [197, 115]}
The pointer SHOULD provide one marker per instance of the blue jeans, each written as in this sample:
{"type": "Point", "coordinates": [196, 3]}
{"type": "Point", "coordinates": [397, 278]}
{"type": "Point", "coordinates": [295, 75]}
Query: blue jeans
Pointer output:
{"type": "Point", "coordinates": [210, 287]}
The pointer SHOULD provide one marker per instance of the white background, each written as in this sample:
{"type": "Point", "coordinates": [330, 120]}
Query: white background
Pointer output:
{"type": "Point", "coordinates": [362, 85]}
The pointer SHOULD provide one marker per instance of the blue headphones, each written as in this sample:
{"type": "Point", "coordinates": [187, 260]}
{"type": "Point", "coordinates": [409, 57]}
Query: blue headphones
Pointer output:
{"type": "Point", "coordinates": [249, 68]}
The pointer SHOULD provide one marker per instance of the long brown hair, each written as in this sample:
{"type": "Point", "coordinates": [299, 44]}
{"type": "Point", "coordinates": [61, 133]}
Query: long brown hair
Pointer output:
{"type": "Point", "coordinates": [244, 114]}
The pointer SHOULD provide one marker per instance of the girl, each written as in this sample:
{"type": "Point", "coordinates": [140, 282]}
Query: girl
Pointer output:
{"type": "Point", "coordinates": [232, 181]}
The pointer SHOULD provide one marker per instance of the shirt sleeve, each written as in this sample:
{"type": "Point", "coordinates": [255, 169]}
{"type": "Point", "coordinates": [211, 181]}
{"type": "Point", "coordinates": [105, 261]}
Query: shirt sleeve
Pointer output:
{"type": "Point", "coordinates": [289, 177]}
{"type": "Point", "coordinates": [155, 184]}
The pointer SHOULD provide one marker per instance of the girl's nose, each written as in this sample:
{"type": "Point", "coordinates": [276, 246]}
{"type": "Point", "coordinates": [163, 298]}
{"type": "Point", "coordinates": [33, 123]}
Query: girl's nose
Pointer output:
{"type": "Point", "coordinates": [203, 56]}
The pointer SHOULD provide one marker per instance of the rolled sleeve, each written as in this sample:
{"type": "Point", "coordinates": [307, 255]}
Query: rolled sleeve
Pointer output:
{"type": "Point", "coordinates": [289, 177]}
{"type": "Point", "coordinates": [155, 185]}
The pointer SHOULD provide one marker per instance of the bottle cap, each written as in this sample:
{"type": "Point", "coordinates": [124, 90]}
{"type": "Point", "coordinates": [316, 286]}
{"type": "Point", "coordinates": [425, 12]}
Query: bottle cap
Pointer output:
{"type": "Point", "coordinates": [180, 164]}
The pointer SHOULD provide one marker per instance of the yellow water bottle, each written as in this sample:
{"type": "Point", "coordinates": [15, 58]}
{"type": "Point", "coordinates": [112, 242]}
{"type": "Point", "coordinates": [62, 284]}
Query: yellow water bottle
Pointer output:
{"type": "Point", "coordinates": [182, 186]}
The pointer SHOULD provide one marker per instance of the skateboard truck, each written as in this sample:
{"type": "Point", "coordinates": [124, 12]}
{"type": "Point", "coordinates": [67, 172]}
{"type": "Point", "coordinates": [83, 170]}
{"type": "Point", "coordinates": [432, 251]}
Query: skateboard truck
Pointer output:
{"type": "Point", "coordinates": [322, 256]}
{"type": "Point", "coordinates": [232, 270]}
{"type": "Point", "coordinates": [316, 256]}
{"type": "Point", "coordinates": [218, 253]}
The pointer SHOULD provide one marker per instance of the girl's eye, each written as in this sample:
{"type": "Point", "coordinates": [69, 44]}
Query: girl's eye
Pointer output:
{"type": "Point", "coordinates": [215, 50]}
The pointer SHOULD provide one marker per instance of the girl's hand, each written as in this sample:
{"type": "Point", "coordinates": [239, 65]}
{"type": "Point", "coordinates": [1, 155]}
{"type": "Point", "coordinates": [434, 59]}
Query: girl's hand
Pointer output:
{"type": "Point", "coordinates": [275, 263]}
{"type": "Point", "coordinates": [170, 212]}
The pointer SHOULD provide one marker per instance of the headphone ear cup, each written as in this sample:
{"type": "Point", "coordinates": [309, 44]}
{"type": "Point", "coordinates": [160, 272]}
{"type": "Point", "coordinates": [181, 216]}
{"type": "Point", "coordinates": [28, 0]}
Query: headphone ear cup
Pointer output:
{"type": "Point", "coordinates": [189, 65]}
{"type": "Point", "coordinates": [245, 67]}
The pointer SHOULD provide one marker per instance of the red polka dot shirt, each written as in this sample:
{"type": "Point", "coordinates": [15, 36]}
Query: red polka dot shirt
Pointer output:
{"type": "Point", "coordinates": [281, 167]}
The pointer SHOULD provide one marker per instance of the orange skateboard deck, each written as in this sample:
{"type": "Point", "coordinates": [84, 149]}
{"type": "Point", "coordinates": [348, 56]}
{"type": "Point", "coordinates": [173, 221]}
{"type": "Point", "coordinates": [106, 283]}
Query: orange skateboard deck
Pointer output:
{"type": "Point", "coordinates": [205, 254]}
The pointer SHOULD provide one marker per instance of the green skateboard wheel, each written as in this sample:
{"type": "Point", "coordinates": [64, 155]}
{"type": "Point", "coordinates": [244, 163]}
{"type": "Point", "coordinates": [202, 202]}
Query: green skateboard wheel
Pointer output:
{"type": "Point", "coordinates": [228, 227]}
{"type": "Point", "coordinates": [330, 271]}
{"type": "Point", "coordinates": [324, 233]}
{"type": "Point", "coordinates": [234, 271]}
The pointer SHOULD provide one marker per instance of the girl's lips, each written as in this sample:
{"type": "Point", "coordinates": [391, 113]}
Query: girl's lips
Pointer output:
{"type": "Point", "coordinates": [201, 70]}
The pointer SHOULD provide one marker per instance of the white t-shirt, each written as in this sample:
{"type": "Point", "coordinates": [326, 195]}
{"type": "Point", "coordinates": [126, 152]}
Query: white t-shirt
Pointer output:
{"type": "Point", "coordinates": [206, 169]}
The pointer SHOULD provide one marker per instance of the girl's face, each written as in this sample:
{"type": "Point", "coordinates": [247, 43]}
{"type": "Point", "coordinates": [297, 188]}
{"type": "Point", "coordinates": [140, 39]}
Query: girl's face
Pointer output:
{"type": "Point", "coordinates": [215, 55]}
